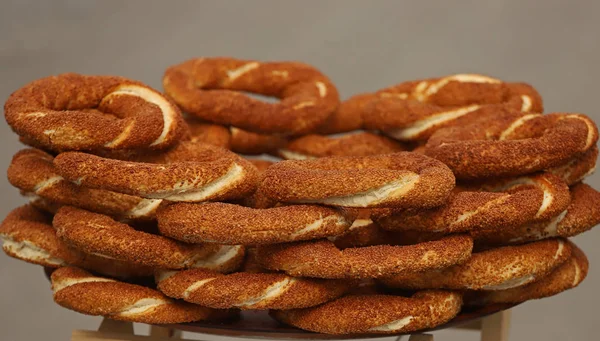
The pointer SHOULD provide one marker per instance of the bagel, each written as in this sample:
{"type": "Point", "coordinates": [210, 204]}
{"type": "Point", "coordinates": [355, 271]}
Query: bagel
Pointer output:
{"type": "Point", "coordinates": [582, 214]}
{"type": "Point", "coordinates": [495, 148]}
{"type": "Point", "coordinates": [100, 235]}
{"type": "Point", "coordinates": [212, 89]}
{"type": "Point", "coordinates": [393, 180]}
{"type": "Point", "coordinates": [412, 111]}
{"type": "Point", "coordinates": [376, 314]}
{"type": "Point", "coordinates": [188, 172]}
{"type": "Point", "coordinates": [567, 276]}
{"type": "Point", "coordinates": [322, 259]}
{"type": "Point", "coordinates": [233, 224]}
{"type": "Point", "coordinates": [202, 132]}
{"type": "Point", "coordinates": [362, 232]}
{"type": "Point", "coordinates": [359, 144]}
{"type": "Point", "coordinates": [578, 168]}
{"type": "Point", "coordinates": [27, 234]}
{"type": "Point", "coordinates": [495, 269]}
{"type": "Point", "coordinates": [80, 291]}
{"type": "Point", "coordinates": [249, 143]}
{"type": "Point", "coordinates": [248, 290]}
{"type": "Point", "coordinates": [78, 112]}
{"type": "Point", "coordinates": [505, 204]}
{"type": "Point", "coordinates": [348, 116]}
{"type": "Point", "coordinates": [33, 172]}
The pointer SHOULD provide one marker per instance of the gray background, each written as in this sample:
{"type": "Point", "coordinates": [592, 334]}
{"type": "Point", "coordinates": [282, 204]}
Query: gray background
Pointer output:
{"type": "Point", "coordinates": [361, 45]}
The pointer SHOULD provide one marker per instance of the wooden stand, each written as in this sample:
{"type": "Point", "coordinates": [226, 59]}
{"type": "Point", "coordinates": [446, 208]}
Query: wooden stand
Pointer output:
{"type": "Point", "coordinates": [493, 328]}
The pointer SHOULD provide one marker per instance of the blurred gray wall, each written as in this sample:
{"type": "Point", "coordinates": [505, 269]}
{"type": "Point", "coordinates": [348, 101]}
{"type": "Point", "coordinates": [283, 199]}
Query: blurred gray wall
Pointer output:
{"type": "Point", "coordinates": [361, 45]}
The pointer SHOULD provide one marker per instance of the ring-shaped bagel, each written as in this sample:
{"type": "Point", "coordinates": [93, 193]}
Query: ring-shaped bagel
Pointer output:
{"type": "Point", "coordinates": [376, 314]}
{"type": "Point", "coordinates": [78, 112]}
{"type": "Point", "coordinates": [188, 172]}
{"type": "Point", "coordinates": [392, 180]}
{"type": "Point", "coordinates": [224, 223]}
{"type": "Point", "coordinates": [526, 144]}
{"type": "Point", "coordinates": [27, 234]}
{"type": "Point", "coordinates": [578, 168]}
{"type": "Point", "coordinates": [98, 234]}
{"type": "Point", "coordinates": [322, 259]}
{"type": "Point", "coordinates": [494, 207]}
{"type": "Point", "coordinates": [249, 143]}
{"type": "Point", "coordinates": [246, 290]}
{"type": "Point", "coordinates": [359, 144]}
{"type": "Point", "coordinates": [33, 172]}
{"type": "Point", "coordinates": [495, 269]}
{"type": "Point", "coordinates": [85, 293]}
{"type": "Point", "coordinates": [565, 277]}
{"type": "Point", "coordinates": [202, 132]}
{"type": "Point", "coordinates": [412, 111]}
{"type": "Point", "coordinates": [212, 89]}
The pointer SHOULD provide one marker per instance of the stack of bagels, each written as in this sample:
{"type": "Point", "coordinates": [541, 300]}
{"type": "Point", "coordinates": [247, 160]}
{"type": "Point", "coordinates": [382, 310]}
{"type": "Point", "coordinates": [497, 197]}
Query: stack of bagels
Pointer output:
{"type": "Point", "coordinates": [440, 193]}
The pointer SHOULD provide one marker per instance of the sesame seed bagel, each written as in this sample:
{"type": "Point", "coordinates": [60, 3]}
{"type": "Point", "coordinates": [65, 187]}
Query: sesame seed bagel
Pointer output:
{"type": "Point", "coordinates": [78, 112]}
{"type": "Point", "coordinates": [578, 168]}
{"type": "Point", "coordinates": [348, 116]}
{"type": "Point", "coordinates": [85, 293]}
{"type": "Point", "coordinates": [27, 234]}
{"type": "Point", "coordinates": [246, 290]}
{"type": "Point", "coordinates": [188, 172]}
{"type": "Point", "coordinates": [212, 89]}
{"type": "Point", "coordinates": [233, 224]}
{"type": "Point", "coordinates": [582, 214]}
{"type": "Point", "coordinates": [414, 110]}
{"type": "Point", "coordinates": [322, 259]}
{"type": "Point", "coordinates": [359, 144]}
{"type": "Point", "coordinates": [511, 147]}
{"type": "Point", "coordinates": [376, 314]}
{"type": "Point", "coordinates": [203, 132]}
{"type": "Point", "coordinates": [506, 204]}
{"type": "Point", "coordinates": [33, 172]}
{"type": "Point", "coordinates": [98, 234]}
{"type": "Point", "coordinates": [495, 269]}
{"type": "Point", "coordinates": [362, 232]}
{"type": "Point", "coordinates": [249, 143]}
{"type": "Point", "coordinates": [565, 277]}
{"type": "Point", "coordinates": [393, 180]}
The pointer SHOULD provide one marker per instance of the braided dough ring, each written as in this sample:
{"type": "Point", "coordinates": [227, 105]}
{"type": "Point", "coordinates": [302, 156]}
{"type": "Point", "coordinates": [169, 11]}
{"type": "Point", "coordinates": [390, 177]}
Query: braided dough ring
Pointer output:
{"type": "Point", "coordinates": [348, 116]}
{"type": "Point", "coordinates": [100, 235]}
{"type": "Point", "coordinates": [523, 200]}
{"type": "Point", "coordinates": [202, 132]}
{"type": "Point", "coordinates": [360, 144]}
{"type": "Point", "coordinates": [393, 180]}
{"type": "Point", "coordinates": [33, 172]}
{"type": "Point", "coordinates": [233, 224]}
{"type": "Point", "coordinates": [567, 276]}
{"type": "Point", "coordinates": [412, 111]}
{"type": "Point", "coordinates": [582, 214]}
{"type": "Point", "coordinates": [322, 259]}
{"type": "Point", "coordinates": [80, 291]}
{"type": "Point", "coordinates": [188, 172]}
{"type": "Point", "coordinates": [362, 232]}
{"type": "Point", "coordinates": [248, 290]}
{"type": "Point", "coordinates": [376, 314]}
{"type": "Point", "coordinates": [27, 234]}
{"type": "Point", "coordinates": [523, 145]}
{"type": "Point", "coordinates": [495, 269]}
{"type": "Point", "coordinates": [69, 112]}
{"type": "Point", "coordinates": [307, 96]}
{"type": "Point", "coordinates": [578, 168]}
{"type": "Point", "coordinates": [249, 143]}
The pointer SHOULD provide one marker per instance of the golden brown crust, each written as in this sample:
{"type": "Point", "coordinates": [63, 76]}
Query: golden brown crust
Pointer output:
{"type": "Point", "coordinates": [233, 224]}
{"type": "Point", "coordinates": [494, 207]}
{"type": "Point", "coordinates": [188, 172]}
{"type": "Point", "coordinates": [412, 111]}
{"type": "Point", "coordinates": [359, 144]}
{"type": "Point", "coordinates": [33, 172]}
{"type": "Point", "coordinates": [202, 132]}
{"type": "Point", "coordinates": [249, 143]}
{"type": "Point", "coordinates": [582, 214]}
{"type": "Point", "coordinates": [567, 276]}
{"type": "Point", "coordinates": [362, 232]}
{"type": "Point", "coordinates": [211, 89]}
{"type": "Point", "coordinates": [28, 235]}
{"type": "Point", "coordinates": [393, 180]}
{"type": "Point", "coordinates": [77, 112]}
{"type": "Point", "coordinates": [578, 168]}
{"type": "Point", "coordinates": [80, 291]}
{"type": "Point", "coordinates": [348, 116]}
{"type": "Point", "coordinates": [489, 148]}
{"type": "Point", "coordinates": [249, 290]}
{"type": "Point", "coordinates": [322, 259]}
{"type": "Point", "coordinates": [494, 269]}
{"type": "Point", "coordinates": [381, 314]}
{"type": "Point", "coordinates": [101, 235]}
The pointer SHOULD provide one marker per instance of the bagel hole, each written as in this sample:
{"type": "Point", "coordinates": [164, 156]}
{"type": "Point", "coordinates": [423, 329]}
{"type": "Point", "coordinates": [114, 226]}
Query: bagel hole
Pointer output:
{"type": "Point", "coordinates": [262, 98]}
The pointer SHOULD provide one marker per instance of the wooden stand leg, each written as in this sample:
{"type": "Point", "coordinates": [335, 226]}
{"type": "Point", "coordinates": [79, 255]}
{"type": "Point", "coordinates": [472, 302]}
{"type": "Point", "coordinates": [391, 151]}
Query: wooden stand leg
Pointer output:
{"type": "Point", "coordinates": [164, 332]}
{"type": "Point", "coordinates": [496, 327]}
{"type": "Point", "coordinates": [112, 326]}
{"type": "Point", "coordinates": [421, 337]}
